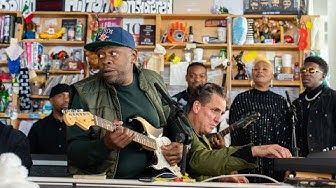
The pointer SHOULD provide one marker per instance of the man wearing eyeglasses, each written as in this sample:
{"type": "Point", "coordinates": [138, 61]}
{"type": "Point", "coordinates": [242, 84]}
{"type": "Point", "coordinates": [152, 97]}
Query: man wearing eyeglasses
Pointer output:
{"type": "Point", "coordinates": [316, 109]}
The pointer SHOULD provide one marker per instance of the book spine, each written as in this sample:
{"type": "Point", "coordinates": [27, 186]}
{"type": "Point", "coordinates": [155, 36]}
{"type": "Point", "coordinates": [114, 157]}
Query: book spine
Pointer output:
{"type": "Point", "coordinates": [35, 58]}
{"type": "Point", "coordinates": [2, 20]}
{"type": "Point", "coordinates": [6, 29]}
{"type": "Point", "coordinates": [18, 28]}
{"type": "Point", "coordinates": [12, 27]}
{"type": "Point", "coordinates": [30, 63]}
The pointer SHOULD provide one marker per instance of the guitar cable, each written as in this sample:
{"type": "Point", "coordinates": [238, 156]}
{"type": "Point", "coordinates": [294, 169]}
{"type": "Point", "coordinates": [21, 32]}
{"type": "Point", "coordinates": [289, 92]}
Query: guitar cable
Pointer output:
{"type": "Point", "coordinates": [246, 175]}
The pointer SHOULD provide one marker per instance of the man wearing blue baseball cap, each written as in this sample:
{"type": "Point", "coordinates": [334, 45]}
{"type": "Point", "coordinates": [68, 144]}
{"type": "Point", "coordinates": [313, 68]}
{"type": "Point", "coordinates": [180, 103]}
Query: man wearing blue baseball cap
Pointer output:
{"type": "Point", "coordinates": [117, 93]}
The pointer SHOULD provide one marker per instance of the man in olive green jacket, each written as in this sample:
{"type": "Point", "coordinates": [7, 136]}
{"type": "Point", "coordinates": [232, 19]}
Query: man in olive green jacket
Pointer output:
{"type": "Point", "coordinates": [208, 104]}
{"type": "Point", "coordinates": [117, 93]}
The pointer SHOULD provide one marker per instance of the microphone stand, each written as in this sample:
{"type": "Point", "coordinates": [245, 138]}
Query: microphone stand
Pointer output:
{"type": "Point", "coordinates": [177, 114]}
{"type": "Point", "coordinates": [292, 111]}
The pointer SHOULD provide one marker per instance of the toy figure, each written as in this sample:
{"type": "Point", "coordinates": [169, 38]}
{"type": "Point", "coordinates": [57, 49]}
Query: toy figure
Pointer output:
{"type": "Point", "coordinates": [275, 3]}
{"type": "Point", "coordinates": [92, 59]}
{"type": "Point", "coordinates": [287, 4]}
{"type": "Point", "coordinates": [254, 5]}
{"type": "Point", "coordinates": [264, 3]}
{"type": "Point", "coordinates": [242, 71]}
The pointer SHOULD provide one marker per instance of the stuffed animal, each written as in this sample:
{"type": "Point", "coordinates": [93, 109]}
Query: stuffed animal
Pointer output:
{"type": "Point", "coordinates": [92, 59]}
{"type": "Point", "coordinates": [13, 173]}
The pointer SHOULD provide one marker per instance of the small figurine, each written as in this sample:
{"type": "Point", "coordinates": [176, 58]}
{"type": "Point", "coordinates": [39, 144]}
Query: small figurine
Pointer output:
{"type": "Point", "coordinates": [92, 59]}
{"type": "Point", "coordinates": [286, 4]}
{"type": "Point", "coordinates": [254, 5]}
{"type": "Point", "coordinates": [275, 3]}
{"type": "Point", "coordinates": [264, 3]}
{"type": "Point", "coordinates": [242, 71]}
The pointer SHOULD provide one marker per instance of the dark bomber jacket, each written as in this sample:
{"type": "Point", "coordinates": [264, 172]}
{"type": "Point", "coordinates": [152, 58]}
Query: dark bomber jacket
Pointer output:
{"type": "Point", "coordinates": [320, 129]}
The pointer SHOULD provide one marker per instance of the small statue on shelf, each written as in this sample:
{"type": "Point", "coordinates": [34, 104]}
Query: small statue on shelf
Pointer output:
{"type": "Point", "coordinates": [242, 71]}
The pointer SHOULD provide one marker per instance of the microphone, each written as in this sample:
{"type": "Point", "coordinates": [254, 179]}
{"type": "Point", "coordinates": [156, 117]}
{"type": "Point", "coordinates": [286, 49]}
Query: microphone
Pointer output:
{"type": "Point", "coordinates": [184, 137]}
{"type": "Point", "coordinates": [292, 111]}
{"type": "Point", "coordinates": [172, 104]}
{"type": "Point", "coordinates": [288, 99]}
{"type": "Point", "coordinates": [289, 103]}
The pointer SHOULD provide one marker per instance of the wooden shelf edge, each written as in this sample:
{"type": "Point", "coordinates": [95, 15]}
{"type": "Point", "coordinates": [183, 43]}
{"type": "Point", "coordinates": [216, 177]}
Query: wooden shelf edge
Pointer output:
{"type": "Point", "coordinates": [270, 16]}
{"type": "Point", "coordinates": [282, 83]}
{"type": "Point", "coordinates": [60, 71]}
{"type": "Point", "coordinates": [2, 45]}
{"type": "Point", "coordinates": [55, 42]}
{"type": "Point", "coordinates": [195, 16]}
{"type": "Point", "coordinates": [124, 15]}
{"type": "Point", "coordinates": [3, 62]}
{"type": "Point", "coordinates": [39, 97]}
{"type": "Point", "coordinates": [30, 116]}
{"type": "Point", "coordinates": [183, 45]}
{"type": "Point", "coordinates": [167, 64]}
{"type": "Point", "coordinates": [143, 47]}
{"type": "Point", "coordinates": [48, 13]}
{"type": "Point", "coordinates": [25, 116]}
{"type": "Point", "coordinates": [3, 115]}
{"type": "Point", "coordinates": [266, 46]}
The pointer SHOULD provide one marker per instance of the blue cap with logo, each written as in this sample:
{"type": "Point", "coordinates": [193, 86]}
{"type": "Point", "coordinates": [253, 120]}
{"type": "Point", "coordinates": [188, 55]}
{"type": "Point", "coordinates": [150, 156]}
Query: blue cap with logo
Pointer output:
{"type": "Point", "coordinates": [111, 36]}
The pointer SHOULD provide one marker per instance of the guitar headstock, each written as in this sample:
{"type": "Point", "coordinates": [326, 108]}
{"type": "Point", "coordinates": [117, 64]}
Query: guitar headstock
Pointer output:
{"type": "Point", "coordinates": [82, 119]}
{"type": "Point", "coordinates": [251, 117]}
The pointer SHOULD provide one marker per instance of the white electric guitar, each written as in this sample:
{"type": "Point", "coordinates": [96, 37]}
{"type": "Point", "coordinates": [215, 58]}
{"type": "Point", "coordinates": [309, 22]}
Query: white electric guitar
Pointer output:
{"type": "Point", "coordinates": [152, 141]}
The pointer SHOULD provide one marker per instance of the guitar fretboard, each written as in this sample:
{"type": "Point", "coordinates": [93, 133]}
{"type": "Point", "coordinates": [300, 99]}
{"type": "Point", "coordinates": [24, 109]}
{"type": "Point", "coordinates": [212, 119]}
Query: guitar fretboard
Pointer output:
{"type": "Point", "coordinates": [144, 140]}
{"type": "Point", "coordinates": [228, 130]}
{"type": "Point", "coordinates": [244, 122]}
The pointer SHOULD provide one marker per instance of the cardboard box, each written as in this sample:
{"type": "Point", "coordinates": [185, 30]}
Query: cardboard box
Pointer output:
{"type": "Point", "coordinates": [275, 7]}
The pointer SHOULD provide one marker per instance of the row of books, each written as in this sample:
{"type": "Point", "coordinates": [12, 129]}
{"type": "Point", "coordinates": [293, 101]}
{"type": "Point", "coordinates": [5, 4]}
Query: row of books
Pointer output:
{"type": "Point", "coordinates": [63, 79]}
{"type": "Point", "coordinates": [7, 28]}
{"type": "Point", "coordinates": [35, 57]}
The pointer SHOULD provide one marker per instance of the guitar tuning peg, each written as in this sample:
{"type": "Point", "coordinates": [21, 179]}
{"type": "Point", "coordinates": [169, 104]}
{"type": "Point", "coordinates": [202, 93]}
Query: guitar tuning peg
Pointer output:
{"type": "Point", "coordinates": [64, 111]}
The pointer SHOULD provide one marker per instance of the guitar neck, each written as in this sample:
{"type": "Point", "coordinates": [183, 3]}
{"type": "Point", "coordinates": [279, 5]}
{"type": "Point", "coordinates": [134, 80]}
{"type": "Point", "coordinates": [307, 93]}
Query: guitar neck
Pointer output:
{"type": "Point", "coordinates": [148, 143]}
{"type": "Point", "coordinates": [243, 123]}
{"type": "Point", "coordinates": [228, 130]}
{"type": "Point", "coordinates": [233, 127]}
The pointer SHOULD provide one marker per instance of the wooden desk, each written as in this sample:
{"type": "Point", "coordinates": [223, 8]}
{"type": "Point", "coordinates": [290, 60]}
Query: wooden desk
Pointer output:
{"type": "Point", "coordinates": [51, 182]}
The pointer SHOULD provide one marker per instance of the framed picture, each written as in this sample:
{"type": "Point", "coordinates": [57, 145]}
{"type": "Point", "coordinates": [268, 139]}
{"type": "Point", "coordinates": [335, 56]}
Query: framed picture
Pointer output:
{"type": "Point", "coordinates": [77, 54]}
